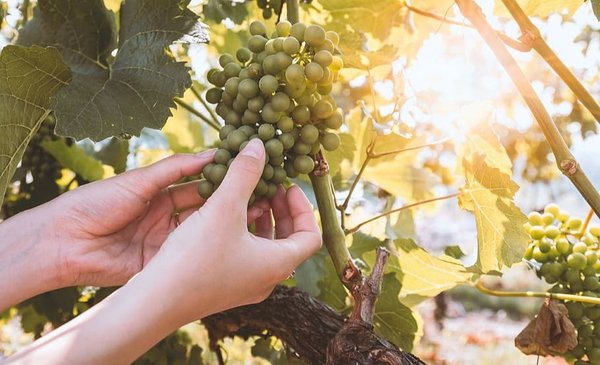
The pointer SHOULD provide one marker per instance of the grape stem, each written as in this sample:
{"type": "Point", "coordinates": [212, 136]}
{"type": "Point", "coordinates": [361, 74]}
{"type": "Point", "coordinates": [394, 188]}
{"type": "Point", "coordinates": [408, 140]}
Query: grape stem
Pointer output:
{"type": "Point", "coordinates": [512, 43]}
{"type": "Point", "coordinates": [408, 206]}
{"type": "Point", "coordinates": [531, 294]}
{"type": "Point", "coordinates": [586, 223]}
{"type": "Point", "coordinates": [532, 37]}
{"type": "Point", "coordinates": [213, 115]}
{"type": "Point", "coordinates": [195, 111]}
{"type": "Point", "coordinates": [293, 11]}
{"type": "Point", "coordinates": [334, 238]}
{"type": "Point", "coordinates": [565, 160]}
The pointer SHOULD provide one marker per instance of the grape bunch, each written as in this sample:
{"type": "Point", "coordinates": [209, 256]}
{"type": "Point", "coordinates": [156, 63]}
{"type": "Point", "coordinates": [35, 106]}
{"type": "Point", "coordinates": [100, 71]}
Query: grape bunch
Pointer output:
{"type": "Point", "coordinates": [278, 91]}
{"type": "Point", "coordinates": [40, 163]}
{"type": "Point", "coordinates": [569, 258]}
{"type": "Point", "coordinates": [269, 7]}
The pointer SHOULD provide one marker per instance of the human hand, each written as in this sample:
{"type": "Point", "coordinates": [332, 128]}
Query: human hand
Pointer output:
{"type": "Point", "coordinates": [107, 231]}
{"type": "Point", "coordinates": [212, 262]}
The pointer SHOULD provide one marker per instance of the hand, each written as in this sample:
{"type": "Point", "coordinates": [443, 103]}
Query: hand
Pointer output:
{"type": "Point", "coordinates": [107, 231]}
{"type": "Point", "coordinates": [212, 262]}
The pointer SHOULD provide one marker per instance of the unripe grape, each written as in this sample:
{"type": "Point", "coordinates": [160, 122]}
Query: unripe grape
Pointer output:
{"type": "Point", "coordinates": [250, 117]}
{"type": "Point", "coordinates": [309, 134]}
{"type": "Point", "coordinates": [257, 28]}
{"type": "Point", "coordinates": [576, 260]}
{"type": "Point", "coordinates": [551, 232]}
{"type": "Point", "coordinates": [280, 102]}
{"type": "Point", "coordinates": [267, 13]}
{"type": "Point", "coordinates": [290, 170]}
{"type": "Point", "coordinates": [574, 223]}
{"type": "Point", "coordinates": [226, 59]}
{"type": "Point", "coordinates": [327, 45]}
{"type": "Point", "coordinates": [301, 114]}
{"type": "Point", "coordinates": [322, 109]}
{"type": "Point", "coordinates": [205, 189]}
{"type": "Point", "coordinates": [235, 139]}
{"type": "Point", "coordinates": [248, 88]}
{"type": "Point", "coordinates": [297, 31]}
{"type": "Point", "coordinates": [301, 148]}
{"type": "Point", "coordinates": [256, 104]}
{"type": "Point", "coordinates": [274, 148]}
{"type": "Point", "coordinates": [217, 173]}
{"type": "Point", "coordinates": [595, 231]}
{"type": "Point", "coordinates": [563, 246]}
{"type": "Point", "coordinates": [279, 175]}
{"type": "Point", "coordinates": [272, 191]}
{"type": "Point", "coordinates": [591, 257]}
{"type": "Point", "coordinates": [291, 46]}
{"type": "Point", "coordinates": [233, 118]}
{"type": "Point", "coordinates": [287, 140]}
{"type": "Point", "coordinates": [222, 156]}
{"type": "Point", "coordinates": [283, 28]}
{"type": "Point", "coordinates": [268, 172]}
{"type": "Point", "coordinates": [277, 160]}
{"type": "Point", "coordinates": [333, 37]}
{"type": "Point", "coordinates": [547, 219]}
{"type": "Point", "coordinates": [528, 255]}
{"type": "Point", "coordinates": [256, 43]}
{"type": "Point", "coordinates": [268, 84]}
{"type": "Point", "coordinates": [334, 121]}
{"type": "Point", "coordinates": [314, 72]}
{"type": "Point", "coordinates": [294, 74]}
{"type": "Point", "coordinates": [285, 124]}
{"type": "Point", "coordinates": [266, 132]}
{"type": "Point", "coordinates": [535, 218]}
{"type": "Point", "coordinates": [304, 164]}
{"type": "Point", "coordinates": [552, 209]}
{"type": "Point", "coordinates": [269, 114]}
{"type": "Point", "coordinates": [545, 246]}
{"type": "Point", "coordinates": [337, 63]}
{"type": "Point", "coordinates": [314, 35]}
{"type": "Point", "coordinates": [232, 69]}
{"type": "Point", "coordinates": [282, 60]}
{"type": "Point", "coordinates": [539, 256]}
{"type": "Point", "coordinates": [580, 247]}
{"type": "Point", "coordinates": [537, 232]}
{"type": "Point", "coordinates": [225, 130]}
{"type": "Point", "coordinates": [324, 58]}
{"type": "Point", "coordinates": [591, 283]}
{"type": "Point", "coordinates": [563, 216]}
{"type": "Point", "coordinates": [243, 55]}
{"type": "Point", "coordinates": [213, 95]}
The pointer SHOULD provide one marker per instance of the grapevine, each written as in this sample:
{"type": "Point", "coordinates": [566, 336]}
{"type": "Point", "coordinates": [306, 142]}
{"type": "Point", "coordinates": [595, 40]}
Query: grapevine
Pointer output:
{"type": "Point", "coordinates": [566, 254]}
{"type": "Point", "coordinates": [277, 90]}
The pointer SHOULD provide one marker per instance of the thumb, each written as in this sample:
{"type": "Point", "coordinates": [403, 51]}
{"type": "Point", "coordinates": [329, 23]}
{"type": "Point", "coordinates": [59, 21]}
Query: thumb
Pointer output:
{"type": "Point", "coordinates": [243, 175]}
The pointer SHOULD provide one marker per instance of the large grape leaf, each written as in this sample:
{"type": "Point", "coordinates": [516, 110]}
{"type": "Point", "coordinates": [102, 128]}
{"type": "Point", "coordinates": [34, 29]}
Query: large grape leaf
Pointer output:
{"type": "Point", "coordinates": [424, 275]}
{"type": "Point", "coordinates": [541, 8]}
{"type": "Point", "coordinates": [135, 89]}
{"type": "Point", "coordinates": [29, 76]}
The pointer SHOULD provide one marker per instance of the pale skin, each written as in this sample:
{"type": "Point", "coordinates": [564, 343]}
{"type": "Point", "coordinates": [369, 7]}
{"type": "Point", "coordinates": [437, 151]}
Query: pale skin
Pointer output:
{"type": "Point", "coordinates": [121, 231]}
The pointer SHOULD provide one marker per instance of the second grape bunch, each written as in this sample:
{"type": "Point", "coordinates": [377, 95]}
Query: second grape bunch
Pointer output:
{"type": "Point", "coordinates": [276, 89]}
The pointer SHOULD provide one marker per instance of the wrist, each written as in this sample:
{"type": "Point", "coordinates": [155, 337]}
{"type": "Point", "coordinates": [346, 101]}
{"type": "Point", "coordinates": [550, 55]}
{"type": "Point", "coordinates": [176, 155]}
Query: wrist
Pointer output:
{"type": "Point", "coordinates": [29, 260]}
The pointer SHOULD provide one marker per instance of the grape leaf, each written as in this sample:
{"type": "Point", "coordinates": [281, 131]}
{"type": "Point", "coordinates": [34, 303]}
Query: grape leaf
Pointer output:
{"type": "Point", "coordinates": [423, 275]}
{"type": "Point", "coordinates": [135, 90]}
{"type": "Point", "coordinates": [29, 76]}
{"type": "Point", "coordinates": [541, 8]}
{"type": "Point", "coordinates": [219, 10]}
{"type": "Point", "coordinates": [393, 320]}
{"type": "Point", "coordinates": [345, 151]}
{"type": "Point", "coordinates": [76, 159]}
{"type": "Point", "coordinates": [500, 234]}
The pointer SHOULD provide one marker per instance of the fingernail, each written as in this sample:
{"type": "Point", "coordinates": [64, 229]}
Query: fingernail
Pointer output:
{"type": "Point", "coordinates": [253, 149]}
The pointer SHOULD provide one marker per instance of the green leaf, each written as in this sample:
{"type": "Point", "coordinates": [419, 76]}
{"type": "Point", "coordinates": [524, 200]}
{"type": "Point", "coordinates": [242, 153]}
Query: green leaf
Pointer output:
{"type": "Point", "coordinates": [541, 8]}
{"type": "Point", "coordinates": [393, 320]}
{"type": "Point", "coordinates": [29, 76]}
{"type": "Point", "coordinates": [135, 90]}
{"type": "Point", "coordinates": [114, 153]}
{"type": "Point", "coordinates": [77, 160]}
{"type": "Point", "coordinates": [501, 238]}
{"type": "Point", "coordinates": [219, 10]}
{"type": "Point", "coordinates": [423, 275]}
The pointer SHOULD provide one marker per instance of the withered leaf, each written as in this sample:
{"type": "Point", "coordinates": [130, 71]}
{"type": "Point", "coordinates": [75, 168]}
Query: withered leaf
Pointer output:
{"type": "Point", "coordinates": [549, 333]}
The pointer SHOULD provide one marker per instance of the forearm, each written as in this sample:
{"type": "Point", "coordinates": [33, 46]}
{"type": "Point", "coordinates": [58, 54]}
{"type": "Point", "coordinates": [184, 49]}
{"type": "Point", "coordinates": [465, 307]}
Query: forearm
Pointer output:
{"type": "Point", "coordinates": [116, 331]}
{"type": "Point", "coordinates": [28, 263]}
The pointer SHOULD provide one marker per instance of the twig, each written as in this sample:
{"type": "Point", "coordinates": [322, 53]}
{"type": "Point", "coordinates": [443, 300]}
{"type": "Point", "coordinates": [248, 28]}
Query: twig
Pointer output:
{"type": "Point", "coordinates": [512, 43]}
{"type": "Point", "coordinates": [366, 295]}
{"type": "Point", "coordinates": [214, 116]}
{"type": "Point", "coordinates": [531, 35]}
{"type": "Point", "coordinates": [586, 223]}
{"type": "Point", "coordinates": [532, 294]}
{"type": "Point", "coordinates": [564, 158]}
{"type": "Point", "coordinates": [293, 11]}
{"type": "Point", "coordinates": [358, 226]}
{"type": "Point", "coordinates": [387, 153]}
{"type": "Point", "coordinates": [194, 111]}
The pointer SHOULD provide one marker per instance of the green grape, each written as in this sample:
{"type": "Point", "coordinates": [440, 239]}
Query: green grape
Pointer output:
{"type": "Point", "coordinates": [225, 130]}
{"type": "Point", "coordinates": [285, 124]}
{"type": "Point", "coordinates": [327, 45]}
{"type": "Point", "coordinates": [334, 121]}
{"type": "Point", "coordinates": [266, 132]}
{"type": "Point", "coordinates": [297, 31]}
{"type": "Point", "coordinates": [287, 140]}
{"type": "Point", "coordinates": [337, 63]}
{"type": "Point", "coordinates": [537, 232]}
{"type": "Point", "coordinates": [301, 148]}
{"type": "Point", "coordinates": [282, 60]}
{"type": "Point", "coordinates": [226, 59]}
{"type": "Point", "coordinates": [528, 254]}
{"type": "Point", "coordinates": [213, 95]}
{"type": "Point", "coordinates": [247, 130]}
{"type": "Point", "coordinates": [261, 188]}
{"type": "Point", "coordinates": [324, 58]}
{"type": "Point", "coordinates": [290, 170]}
{"type": "Point", "coordinates": [250, 117]}
{"type": "Point", "coordinates": [232, 69]}
{"type": "Point", "coordinates": [294, 74]}
{"type": "Point", "coordinates": [313, 71]}
{"type": "Point", "coordinates": [274, 148]}
{"type": "Point", "coordinates": [591, 283]}
{"type": "Point", "coordinates": [322, 109]}
{"type": "Point", "coordinates": [552, 209]}
{"type": "Point", "coordinates": [268, 172]}
{"type": "Point", "coordinates": [576, 260]}
{"type": "Point", "coordinates": [314, 35]}
{"type": "Point", "coordinates": [593, 313]}
{"type": "Point", "coordinates": [277, 160]}
{"type": "Point", "coordinates": [280, 102]}
{"type": "Point", "coordinates": [291, 46]}
{"type": "Point", "coordinates": [580, 247]}
{"type": "Point", "coordinates": [563, 216]}
{"type": "Point", "coordinates": [333, 37]}
{"type": "Point", "coordinates": [222, 156]}
{"type": "Point", "coordinates": [545, 246]}
{"type": "Point", "coordinates": [233, 118]}
{"type": "Point", "coordinates": [269, 114]}
{"type": "Point", "coordinates": [255, 70]}
{"type": "Point", "coordinates": [235, 139]}
{"type": "Point", "coordinates": [304, 164]}
{"type": "Point", "coordinates": [268, 84]}
{"type": "Point", "coordinates": [270, 65]}
{"type": "Point", "coordinates": [267, 13]}
{"type": "Point", "coordinates": [574, 223]}
{"type": "Point", "coordinates": [279, 175]}
{"type": "Point", "coordinates": [551, 232]}
{"type": "Point", "coordinates": [315, 148]}
{"type": "Point", "coordinates": [309, 134]}
{"type": "Point", "coordinates": [301, 114]}
{"type": "Point", "coordinates": [591, 257]}
{"type": "Point", "coordinates": [535, 218]}
{"type": "Point", "coordinates": [272, 191]}
{"type": "Point", "coordinates": [563, 246]}
{"type": "Point", "coordinates": [256, 43]}
{"type": "Point", "coordinates": [256, 104]}
{"type": "Point", "coordinates": [205, 189]}
{"type": "Point", "coordinates": [270, 47]}
{"type": "Point", "coordinates": [257, 28]}
{"type": "Point", "coordinates": [231, 86]}
{"type": "Point", "coordinates": [278, 44]}
{"type": "Point", "coordinates": [217, 173]}
{"type": "Point", "coordinates": [283, 28]}
{"type": "Point", "coordinates": [248, 88]}
{"type": "Point", "coordinates": [243, 55]}
{"type": "Point", "coordinates": [324, 89]}
{"type": "Point", "coordinates": [593, 355]}
{"type": "Point", "coordinates": [595, 231]}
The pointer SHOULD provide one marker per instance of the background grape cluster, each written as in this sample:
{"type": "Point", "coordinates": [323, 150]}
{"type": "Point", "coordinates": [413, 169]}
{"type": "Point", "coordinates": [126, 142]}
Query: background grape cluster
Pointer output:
{"type": "Point", "coordinates": [277, 89]}
{"type": "Point", "coordinates": [40, 163]}
{"type": "Point", "coordinates": [569, 257]}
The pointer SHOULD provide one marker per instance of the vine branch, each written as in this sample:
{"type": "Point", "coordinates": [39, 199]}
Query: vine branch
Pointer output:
{"type": "Point", "coordinates": [532, 294]}
{"type": "Point", "coordinates": [385, 214]}
{"type": "Point", "coordinates": [564, 158]}
{"type": "Point", "coordinates": [531, 35]}
{"type": "Point", "coordinates": [293, 11]}
{"type": "Point", "coordinates": [213, 115]}
{"type": "Point", "coordinates": [194, 111]}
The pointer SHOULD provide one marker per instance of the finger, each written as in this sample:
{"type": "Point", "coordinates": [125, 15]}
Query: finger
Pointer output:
{"type": "Point", "coordinates": [148, 181]}
{"type": "Point", "coordinates": [241, 178]}
{"type": "Point", "coordinates": [255, 212]}
{"type": "Point", "coordinates": [185, 196]}
{"type": "Point", "coordinates": [264, 225]}
{"type": "Point", "coordinates": [284, 225]}
{"type": "Point", "coordinates": [306, 237]}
